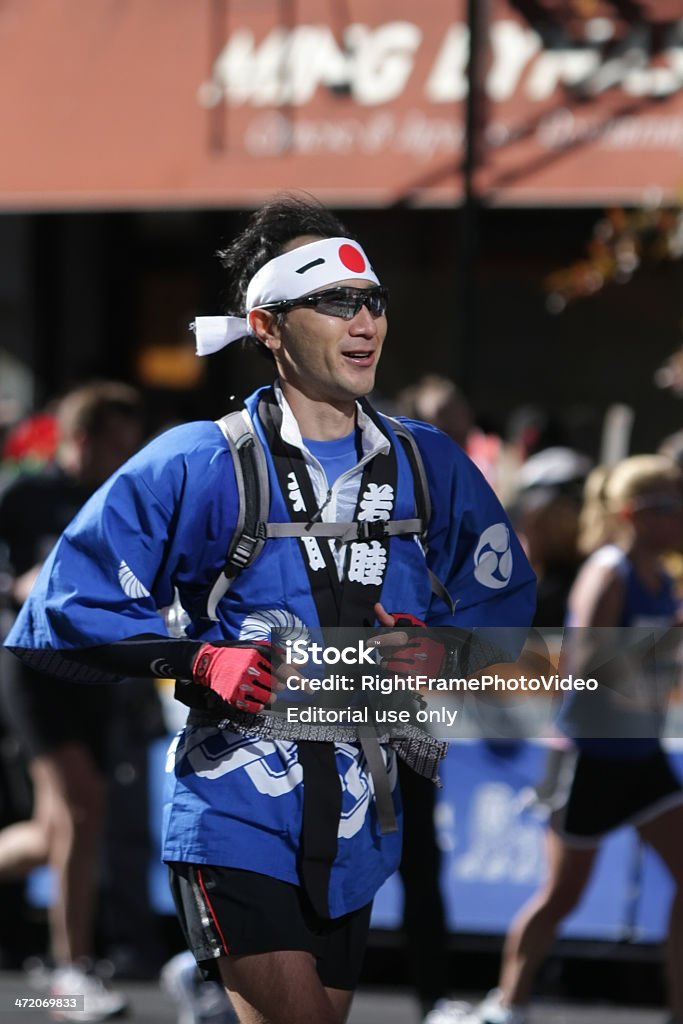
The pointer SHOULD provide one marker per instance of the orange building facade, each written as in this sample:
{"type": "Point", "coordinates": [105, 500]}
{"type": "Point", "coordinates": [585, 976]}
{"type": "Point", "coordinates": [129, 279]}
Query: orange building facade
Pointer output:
{"type": "Point", "coordinates": [196, 103]}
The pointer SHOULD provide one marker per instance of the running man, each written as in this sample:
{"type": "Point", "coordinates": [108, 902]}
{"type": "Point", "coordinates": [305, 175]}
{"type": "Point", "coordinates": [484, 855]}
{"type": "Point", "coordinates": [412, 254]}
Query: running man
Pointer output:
{"type": "Point", "coordinates": [277, 846]}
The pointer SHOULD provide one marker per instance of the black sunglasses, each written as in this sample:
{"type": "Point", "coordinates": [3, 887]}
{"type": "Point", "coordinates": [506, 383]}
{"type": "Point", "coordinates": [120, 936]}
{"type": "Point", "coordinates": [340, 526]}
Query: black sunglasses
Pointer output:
{"type": "Point", "coordinates": [342, 302]}
{"type": "Point", "coordinates": [667, 503]}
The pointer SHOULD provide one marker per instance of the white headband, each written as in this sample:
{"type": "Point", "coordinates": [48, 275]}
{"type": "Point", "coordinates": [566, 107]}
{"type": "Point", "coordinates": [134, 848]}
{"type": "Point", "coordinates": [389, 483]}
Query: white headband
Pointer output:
{"type": "Point", "coordinates": [289, 276]}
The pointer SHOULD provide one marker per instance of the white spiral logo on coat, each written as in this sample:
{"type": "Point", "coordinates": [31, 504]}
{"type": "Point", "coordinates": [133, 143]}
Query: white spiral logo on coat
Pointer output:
{"type": "Point", "coordinates": [493, 557]}
{"type": "Point", "coordinates": [130, 584]}
{"type": "Point", "coordinates": [259, 626]}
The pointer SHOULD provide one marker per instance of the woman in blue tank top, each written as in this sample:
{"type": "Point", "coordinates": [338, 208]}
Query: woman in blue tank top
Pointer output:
{"type": "Point", "coordinates": [614, 770]}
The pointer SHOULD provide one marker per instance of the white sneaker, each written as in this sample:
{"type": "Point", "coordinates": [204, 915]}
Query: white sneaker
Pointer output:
{"type": "Point", "coordinates": [198, 1002]}
{"type": "Point", "coordinates": [490, 1011]}
{"type": "Point", "coordinates": [38, 973]}
{"type": "Point", "coordinates": [448, 1011]}
{"type": "Point", "coordinates": [99, 1004]}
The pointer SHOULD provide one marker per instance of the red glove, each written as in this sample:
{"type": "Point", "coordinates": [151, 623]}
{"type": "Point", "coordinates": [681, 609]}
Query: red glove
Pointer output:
{"type": "Point", "coordinates": [242, 676]}
{"type": "Point", "coordinates": [406, 619]}
{"type": "Point", "coordinates": [423, 655]}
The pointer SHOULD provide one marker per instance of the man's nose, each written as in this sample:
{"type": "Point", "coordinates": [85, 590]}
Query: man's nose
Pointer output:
{"type": "Point", "coordinates": [363, 323]}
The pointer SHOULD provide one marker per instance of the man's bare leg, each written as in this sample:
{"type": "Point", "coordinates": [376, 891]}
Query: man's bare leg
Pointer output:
{"type": "Point", "coordinates": [282, 988]}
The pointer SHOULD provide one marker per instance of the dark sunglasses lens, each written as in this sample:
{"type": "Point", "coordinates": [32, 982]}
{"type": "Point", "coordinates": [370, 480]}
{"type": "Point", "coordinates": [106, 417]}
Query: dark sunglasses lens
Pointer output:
{"type": "Point", "coordinates": [667, 505]}
{"type": "Point", "coordinates": [376, 301]}
{"type": "Point", "coordinates": [348, 302]}
{"type": "Point", "coordinates": [342, 304]}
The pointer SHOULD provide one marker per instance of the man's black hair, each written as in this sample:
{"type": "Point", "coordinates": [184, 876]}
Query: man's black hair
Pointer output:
{"type": "Point", "coordinates": [280, 220]}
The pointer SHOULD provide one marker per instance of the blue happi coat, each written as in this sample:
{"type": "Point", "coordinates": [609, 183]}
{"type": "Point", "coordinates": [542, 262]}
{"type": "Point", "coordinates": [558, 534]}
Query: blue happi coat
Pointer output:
{"type": "Point", "coordinates": [162, 524]}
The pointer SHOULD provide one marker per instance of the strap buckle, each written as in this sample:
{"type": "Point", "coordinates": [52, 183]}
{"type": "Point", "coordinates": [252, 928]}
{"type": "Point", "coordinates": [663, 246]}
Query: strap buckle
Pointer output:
{"type": "Point", "coordinates": [372, 531]}
{"type": "Point", "coordinates": [246, 546]}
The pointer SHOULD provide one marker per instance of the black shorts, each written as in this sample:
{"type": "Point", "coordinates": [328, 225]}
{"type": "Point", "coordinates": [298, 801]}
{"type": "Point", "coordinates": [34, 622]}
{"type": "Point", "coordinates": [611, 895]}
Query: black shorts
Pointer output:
{"type": "Point", "coordinates": [229, 912]}
{"type": "Point", "coordinates": [46, 713]}
{"type": "Point", "coordinates": [595, 795]}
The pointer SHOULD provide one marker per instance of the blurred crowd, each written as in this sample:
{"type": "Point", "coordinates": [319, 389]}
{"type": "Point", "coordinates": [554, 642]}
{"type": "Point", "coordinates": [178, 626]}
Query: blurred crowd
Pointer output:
{"type": "Point", "coordinates": [73, 793]}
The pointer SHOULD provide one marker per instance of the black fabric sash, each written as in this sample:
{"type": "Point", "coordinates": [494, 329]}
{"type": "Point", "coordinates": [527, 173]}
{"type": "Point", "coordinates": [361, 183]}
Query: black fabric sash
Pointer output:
{"type": "Point", "coordinates": [320, 824]}
{"type": "Point", "coordinates": [347, 602]}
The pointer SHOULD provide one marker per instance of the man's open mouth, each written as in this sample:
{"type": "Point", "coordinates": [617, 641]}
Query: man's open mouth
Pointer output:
{"type": "Point", "coordinates": [359, 355]}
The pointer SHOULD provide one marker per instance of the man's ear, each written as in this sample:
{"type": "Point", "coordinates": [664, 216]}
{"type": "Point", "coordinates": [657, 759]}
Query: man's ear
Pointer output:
{"type": "Point", "coordinates": [264, 326]}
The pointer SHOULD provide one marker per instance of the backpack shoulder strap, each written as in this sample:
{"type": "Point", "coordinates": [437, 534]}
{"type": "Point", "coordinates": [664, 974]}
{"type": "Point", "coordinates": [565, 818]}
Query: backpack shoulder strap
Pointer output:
{"type": "Point", "coordinates": [423, 500]}
{"type": "Point", "coordinates": [253, 492]}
